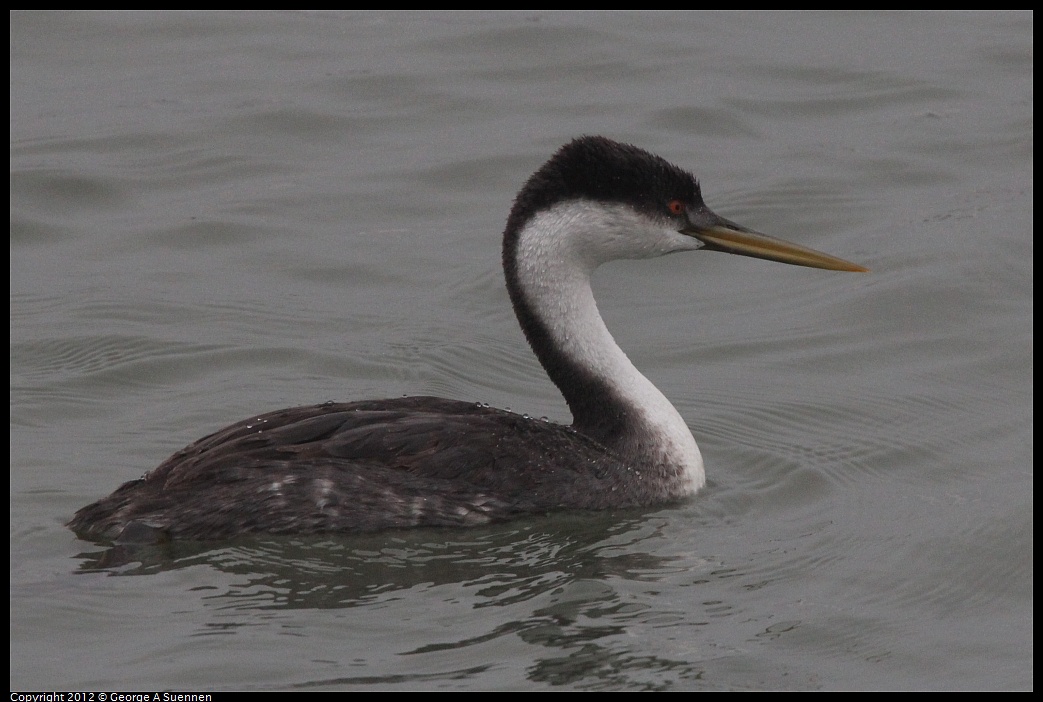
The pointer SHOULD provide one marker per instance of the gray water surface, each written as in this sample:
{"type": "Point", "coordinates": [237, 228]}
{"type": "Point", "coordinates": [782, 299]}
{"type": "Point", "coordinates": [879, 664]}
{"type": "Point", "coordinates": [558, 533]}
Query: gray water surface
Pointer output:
{"type": "Point", "coordinates": [219, 214]}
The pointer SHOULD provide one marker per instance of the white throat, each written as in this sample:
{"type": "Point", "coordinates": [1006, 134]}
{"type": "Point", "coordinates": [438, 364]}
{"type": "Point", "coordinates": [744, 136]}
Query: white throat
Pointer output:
{"type": "Point", "coordinates": [558, 251]}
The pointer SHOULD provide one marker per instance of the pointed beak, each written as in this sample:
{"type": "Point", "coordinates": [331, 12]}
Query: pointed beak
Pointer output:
{"type": "Point", "coordinates": [721, 235]}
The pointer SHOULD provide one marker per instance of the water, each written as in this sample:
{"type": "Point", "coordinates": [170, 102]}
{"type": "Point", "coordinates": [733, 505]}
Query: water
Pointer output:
{"type": "Point", "coordinates": [218, 214]}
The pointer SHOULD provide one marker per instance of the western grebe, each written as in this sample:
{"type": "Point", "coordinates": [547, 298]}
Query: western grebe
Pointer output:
{"type": "Point", "coordinates": [428, 461]}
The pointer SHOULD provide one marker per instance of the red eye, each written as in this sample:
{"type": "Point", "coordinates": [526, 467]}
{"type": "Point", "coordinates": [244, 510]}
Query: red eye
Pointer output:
{"type": "Point", "coordinates": [676, 207]}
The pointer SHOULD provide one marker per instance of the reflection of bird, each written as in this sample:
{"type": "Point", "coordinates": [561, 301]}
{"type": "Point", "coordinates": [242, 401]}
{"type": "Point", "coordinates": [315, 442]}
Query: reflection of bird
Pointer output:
{"type": "Point", "coordinates": [416, 461]}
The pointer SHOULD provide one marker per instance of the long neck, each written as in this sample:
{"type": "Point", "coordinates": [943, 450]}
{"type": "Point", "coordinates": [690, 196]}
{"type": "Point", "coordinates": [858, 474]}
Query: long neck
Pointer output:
{"type": "Point", "coordinates": [548, 263]}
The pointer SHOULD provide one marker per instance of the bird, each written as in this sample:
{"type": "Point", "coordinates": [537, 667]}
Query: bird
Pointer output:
{"type": "Point", "coordinates": [373, 465]}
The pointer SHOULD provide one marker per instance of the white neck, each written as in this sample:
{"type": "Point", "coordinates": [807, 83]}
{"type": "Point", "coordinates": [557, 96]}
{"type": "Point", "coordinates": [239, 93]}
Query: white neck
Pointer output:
{"type": "Point", "coordinates": [557, 252]}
